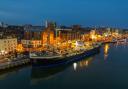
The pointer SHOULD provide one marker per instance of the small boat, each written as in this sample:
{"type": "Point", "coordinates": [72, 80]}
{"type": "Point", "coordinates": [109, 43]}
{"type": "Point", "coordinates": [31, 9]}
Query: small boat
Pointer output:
{"type": "Point", "coordinates": [51, 59]}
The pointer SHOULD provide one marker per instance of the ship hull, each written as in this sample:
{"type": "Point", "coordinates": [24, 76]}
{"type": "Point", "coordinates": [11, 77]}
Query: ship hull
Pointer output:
{"type": "Point", "coordinates": [66, 60]}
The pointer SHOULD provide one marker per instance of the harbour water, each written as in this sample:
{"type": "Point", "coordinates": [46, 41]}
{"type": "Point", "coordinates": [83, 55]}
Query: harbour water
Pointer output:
{"type": "Point", "coordinates": [106, 70]}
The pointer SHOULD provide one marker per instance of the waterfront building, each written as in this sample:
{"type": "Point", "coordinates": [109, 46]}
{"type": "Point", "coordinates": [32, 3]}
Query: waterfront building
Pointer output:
{"type": "Point", "coordinates": [66, 34]}
{"type": "Point", "coordinates": [31, 43]}
{"type": "Point", "coordinates": [93, 35]}
{"type": "Point", "coordinates": [32, 36]}
{"type": "Point", "coordinates": [51, 35]}
{"type": "Point", "coordinates": [12, 30]}
{"type": "Point", "coordinates": [32, 32]}
{"type": "Point", "coordinates": [38, 36]}
{"type": "Point", "coordinates": [48, 34]}
{"type": "Point", "coordinates": [7, 45]}
{"type": "Point", "coordinates": [55, 36]}
{"type": "Point", "coordinates": [16, 31]}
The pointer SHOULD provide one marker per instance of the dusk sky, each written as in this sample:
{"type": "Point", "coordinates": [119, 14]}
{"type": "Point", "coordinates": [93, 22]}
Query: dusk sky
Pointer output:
{"type": "Point", "coordinates": [67, 12]}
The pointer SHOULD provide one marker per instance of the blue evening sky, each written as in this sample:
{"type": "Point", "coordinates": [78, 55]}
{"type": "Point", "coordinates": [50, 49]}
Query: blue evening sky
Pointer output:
{"type": "Point", "coordinates": [84, 12]}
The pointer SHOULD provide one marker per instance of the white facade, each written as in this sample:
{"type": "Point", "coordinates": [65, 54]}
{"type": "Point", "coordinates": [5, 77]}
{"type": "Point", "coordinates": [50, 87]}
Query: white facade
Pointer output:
{"type": "Point", "coordinates": [8, 45]}
{"type": "Point", "coordinates": [32, 43]}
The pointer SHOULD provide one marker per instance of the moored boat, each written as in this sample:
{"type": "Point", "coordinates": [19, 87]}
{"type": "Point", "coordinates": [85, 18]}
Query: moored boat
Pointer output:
{"type": "Point", "coordinates": [50, 59]}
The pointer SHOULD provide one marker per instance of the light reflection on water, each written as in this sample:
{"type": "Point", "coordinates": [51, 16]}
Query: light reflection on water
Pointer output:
{"type": "Point", "coordinates": [75, 66]}
{"type": "Point", "coordinates": [82, 64]}
{"type": "Point", "coordinates": [106, 50]}
{"type": "Point", "coordinates": [86, 62]}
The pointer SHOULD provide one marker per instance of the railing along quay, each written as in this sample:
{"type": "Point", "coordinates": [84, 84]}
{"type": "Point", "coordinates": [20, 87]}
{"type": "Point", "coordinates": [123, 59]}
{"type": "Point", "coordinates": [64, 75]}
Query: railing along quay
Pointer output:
{"type": "Point", "coordinates": [15, 63]}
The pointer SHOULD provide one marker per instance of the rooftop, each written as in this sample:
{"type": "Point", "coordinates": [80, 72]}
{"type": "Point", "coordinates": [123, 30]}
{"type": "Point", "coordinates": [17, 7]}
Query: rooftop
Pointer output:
{"type": "Point", "coordinates": [34, 28]}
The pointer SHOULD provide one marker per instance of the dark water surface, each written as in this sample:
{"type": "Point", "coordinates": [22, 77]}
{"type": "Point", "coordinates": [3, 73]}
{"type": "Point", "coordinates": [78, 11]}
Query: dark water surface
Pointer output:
{"type": "Point", "coordinates": [106, 70]}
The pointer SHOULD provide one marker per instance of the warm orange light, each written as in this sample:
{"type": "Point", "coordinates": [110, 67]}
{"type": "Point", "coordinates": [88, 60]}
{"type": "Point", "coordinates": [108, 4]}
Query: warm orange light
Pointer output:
{"type": "Point", "coordinates": [87, 63]}
{"type": "Point", "coordinates": [106, 49]}
{"type": "Point", "coordinates": [93, 35]}
{"type": "Point", "coordinates": [19, 48]}
{"type": "Point", "coordinates": [36, 43]}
